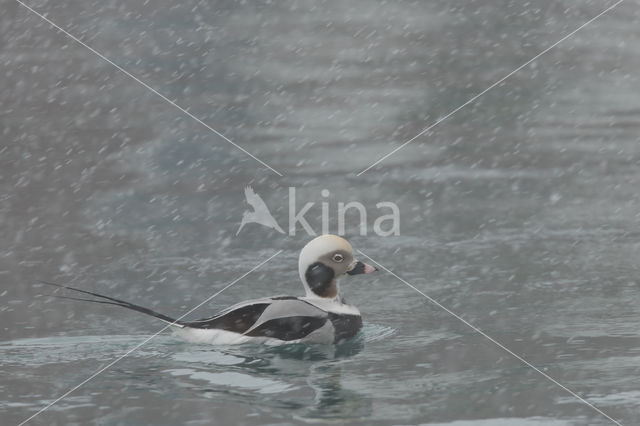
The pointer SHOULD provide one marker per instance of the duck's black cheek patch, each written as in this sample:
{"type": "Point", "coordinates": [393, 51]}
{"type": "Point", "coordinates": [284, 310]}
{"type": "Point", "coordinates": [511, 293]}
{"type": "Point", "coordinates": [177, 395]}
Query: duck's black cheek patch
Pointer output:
{"type": "Point", "coordinates": [319, 277]}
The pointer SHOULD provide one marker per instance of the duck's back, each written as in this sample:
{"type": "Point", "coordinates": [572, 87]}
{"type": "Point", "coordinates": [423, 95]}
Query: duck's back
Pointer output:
{"type": "Point", "coordinates": [272, 320]}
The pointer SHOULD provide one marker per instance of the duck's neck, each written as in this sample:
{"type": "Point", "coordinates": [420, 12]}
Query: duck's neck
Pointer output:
{"type": "Point", "coordinates": [324, 300]}
{"type": "Point", "coordinates": [330, 290]}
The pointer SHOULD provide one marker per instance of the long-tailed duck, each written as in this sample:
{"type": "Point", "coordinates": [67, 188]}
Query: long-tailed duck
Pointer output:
{"type": "Point", "coordinates": [321, 316]}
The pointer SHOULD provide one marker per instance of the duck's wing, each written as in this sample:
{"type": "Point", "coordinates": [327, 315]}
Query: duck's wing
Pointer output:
{"type": "Point", "coordinates": [237, 318]}
{"type": "Point", "coordinates": [284, 318]}
{"type": "Point", "coordinates": [289, 319]}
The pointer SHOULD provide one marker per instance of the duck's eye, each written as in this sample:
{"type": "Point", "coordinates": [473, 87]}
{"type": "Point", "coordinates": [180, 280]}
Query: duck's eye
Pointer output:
{"type": "Point", "coordinates": [338, 257]}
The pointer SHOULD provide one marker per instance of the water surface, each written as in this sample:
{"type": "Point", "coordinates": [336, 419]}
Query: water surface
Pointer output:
{"type": "Point", "coordinates": [520, 213]}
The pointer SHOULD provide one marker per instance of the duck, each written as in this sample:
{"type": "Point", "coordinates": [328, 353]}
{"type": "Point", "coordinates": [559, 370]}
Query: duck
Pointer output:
{"type": "Point", "coordinates": [321, 316]}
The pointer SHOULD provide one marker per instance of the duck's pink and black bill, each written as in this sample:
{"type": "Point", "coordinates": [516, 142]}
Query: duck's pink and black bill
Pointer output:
{"type": "Point", "coordinates": [362, 268]}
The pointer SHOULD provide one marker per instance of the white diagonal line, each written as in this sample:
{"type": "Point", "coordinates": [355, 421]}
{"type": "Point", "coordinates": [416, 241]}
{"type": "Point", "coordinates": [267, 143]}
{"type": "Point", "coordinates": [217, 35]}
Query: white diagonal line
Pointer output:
{"type": "Point", "coordinates": [102, 369]}
{"type": "Point", "coordinates": [163, 97]}
{"type": "Point", "coordinates": [470, 101]}
{"type": "Point", "coordinates": [500, 345]}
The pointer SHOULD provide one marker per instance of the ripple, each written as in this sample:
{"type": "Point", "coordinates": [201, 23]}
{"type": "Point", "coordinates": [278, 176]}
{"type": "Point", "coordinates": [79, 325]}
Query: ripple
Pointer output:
{"type": "Point", "coordinates": [376, 332]}
{"type": "Point", "coordinates": [207, 357]}
{"type": "Point", "coordinates": [629, 398]}
{"type": "Point", "coordinates": [234, 380]}
{"type": "Point", "coordinates": [529, 421]}
{"type": "Point", "coordinates": [64, 349]}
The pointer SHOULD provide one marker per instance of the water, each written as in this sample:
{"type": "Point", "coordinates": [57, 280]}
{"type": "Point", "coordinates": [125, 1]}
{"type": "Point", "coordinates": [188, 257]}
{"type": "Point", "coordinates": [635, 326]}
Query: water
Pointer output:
{"type": "Point", "coordinates": [520, 213]}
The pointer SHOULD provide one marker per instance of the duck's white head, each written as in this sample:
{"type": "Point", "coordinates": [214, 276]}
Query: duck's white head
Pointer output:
{"type": "Point", "coordinates": [323, 260]}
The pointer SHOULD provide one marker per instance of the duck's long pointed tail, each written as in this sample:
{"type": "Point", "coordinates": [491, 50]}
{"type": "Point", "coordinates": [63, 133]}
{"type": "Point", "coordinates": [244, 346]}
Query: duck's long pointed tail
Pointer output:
{"type": "Point", "coordinates": [113, 301]}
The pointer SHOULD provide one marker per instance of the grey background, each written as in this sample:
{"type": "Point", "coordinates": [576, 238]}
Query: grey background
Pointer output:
{"type": "Point", "coordinates": [520, 212]}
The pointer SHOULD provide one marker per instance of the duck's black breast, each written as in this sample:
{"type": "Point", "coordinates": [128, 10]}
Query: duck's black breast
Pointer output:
{"type": "Point", "coordinates": [345, 326]}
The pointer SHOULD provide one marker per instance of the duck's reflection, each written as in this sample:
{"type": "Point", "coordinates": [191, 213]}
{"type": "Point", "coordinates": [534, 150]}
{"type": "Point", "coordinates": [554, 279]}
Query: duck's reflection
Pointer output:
{"type": "Point", "coordinates": [289, 371]}
{"type": "Point", "coordinates": [324, 364]}
{"type": "Point", "coordinates": [332, 400]}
